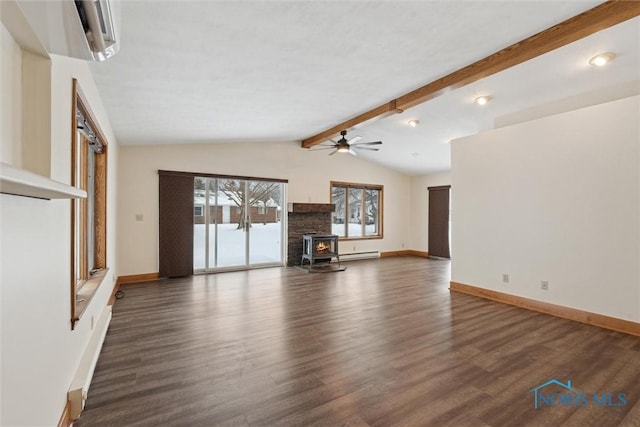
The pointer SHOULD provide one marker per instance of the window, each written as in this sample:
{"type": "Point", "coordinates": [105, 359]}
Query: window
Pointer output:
{"type": "Point", "coordinates": [261, 210]}
{"type": "Point", "coordinates": [89, 172]}
{"type": "Point", "coordinates": [358, 213]}
{"type": "Point", "coordinates": [197, 210]}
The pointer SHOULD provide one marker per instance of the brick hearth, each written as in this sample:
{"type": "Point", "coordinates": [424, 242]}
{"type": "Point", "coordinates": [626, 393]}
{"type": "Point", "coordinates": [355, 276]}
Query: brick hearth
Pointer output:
{"type": "Point", "coordinates": [306, 218]}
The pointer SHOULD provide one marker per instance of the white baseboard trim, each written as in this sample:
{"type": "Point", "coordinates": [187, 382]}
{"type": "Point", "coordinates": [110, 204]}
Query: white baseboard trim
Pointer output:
{"type": "Point", "coordinates": [82, 380]}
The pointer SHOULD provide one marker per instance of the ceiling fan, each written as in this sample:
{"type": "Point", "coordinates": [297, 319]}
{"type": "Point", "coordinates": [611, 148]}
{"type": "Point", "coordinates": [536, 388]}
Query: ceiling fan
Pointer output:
{"type": "Point", "coordinates": [348, 146]}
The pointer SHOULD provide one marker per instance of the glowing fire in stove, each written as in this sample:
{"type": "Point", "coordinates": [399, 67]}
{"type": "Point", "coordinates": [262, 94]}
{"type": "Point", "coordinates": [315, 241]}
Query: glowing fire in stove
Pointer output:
{"type": "Point", "coordinates": [323, 247]}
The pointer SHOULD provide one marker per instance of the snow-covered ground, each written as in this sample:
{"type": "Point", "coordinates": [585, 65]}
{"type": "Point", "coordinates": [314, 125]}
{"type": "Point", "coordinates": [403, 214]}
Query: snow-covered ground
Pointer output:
{"type": "Point", "coordinates": [355, 230]}
{"type": "Point", "coordinates": [264, 245]}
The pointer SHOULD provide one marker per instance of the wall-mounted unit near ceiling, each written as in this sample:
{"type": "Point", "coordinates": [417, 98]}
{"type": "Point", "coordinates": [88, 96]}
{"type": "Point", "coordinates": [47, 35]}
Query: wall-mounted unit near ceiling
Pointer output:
{"type": "Point", "coordinates": [84, 29]}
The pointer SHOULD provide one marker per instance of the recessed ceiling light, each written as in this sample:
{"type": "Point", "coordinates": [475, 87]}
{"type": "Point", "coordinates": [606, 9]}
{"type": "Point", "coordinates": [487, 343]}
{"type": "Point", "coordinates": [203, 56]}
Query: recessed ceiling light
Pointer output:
{"type": "Point", "coordinates": [413, 123]}
{"type": "Point", "coordinates": [602, 59]}
{"type": "Point", "coordinates": [415, 154]}
{"type": "Point", "coordinates": [482, 100]}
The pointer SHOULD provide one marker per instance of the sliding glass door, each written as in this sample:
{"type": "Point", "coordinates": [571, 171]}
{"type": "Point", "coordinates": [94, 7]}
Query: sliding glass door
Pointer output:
{"type": "Point", "coordinates": [237, 223]}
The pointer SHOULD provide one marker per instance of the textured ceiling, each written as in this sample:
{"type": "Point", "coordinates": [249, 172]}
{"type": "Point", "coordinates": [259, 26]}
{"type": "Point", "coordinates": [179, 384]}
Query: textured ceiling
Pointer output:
{"type": "Point", "coordinates": [282, 71]}
{"type": "Point", "coordinates": [559, 81]}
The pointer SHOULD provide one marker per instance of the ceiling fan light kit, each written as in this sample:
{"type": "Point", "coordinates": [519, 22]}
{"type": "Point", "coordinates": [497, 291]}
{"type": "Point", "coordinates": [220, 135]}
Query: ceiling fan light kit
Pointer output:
{"type": "Point", "coordinates": [349, 146]}
{"type": "Point", "coordinates": [413, 123]}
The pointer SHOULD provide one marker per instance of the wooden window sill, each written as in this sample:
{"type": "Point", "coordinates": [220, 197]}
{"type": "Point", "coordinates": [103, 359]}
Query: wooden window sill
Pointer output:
{"type": "Point", "coordinates": [86, 293]}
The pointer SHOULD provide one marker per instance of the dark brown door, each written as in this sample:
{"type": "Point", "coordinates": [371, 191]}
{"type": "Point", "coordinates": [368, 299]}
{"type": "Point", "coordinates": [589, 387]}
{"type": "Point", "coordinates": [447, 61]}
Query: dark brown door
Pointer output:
{"type": "Point", "coordinates": [439, 221]}
{"type": "Point", "coordinates": [176, 225]}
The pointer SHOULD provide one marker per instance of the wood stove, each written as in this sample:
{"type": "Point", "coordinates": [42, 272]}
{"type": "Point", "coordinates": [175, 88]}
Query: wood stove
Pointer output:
{"type": "Point", "coordinates": [319, 248]}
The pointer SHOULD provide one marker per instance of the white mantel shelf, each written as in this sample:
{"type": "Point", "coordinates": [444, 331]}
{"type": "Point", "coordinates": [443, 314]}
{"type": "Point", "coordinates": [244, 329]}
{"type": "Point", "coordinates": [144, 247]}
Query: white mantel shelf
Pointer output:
{"type": "Point", "coordinates": [20, 182]}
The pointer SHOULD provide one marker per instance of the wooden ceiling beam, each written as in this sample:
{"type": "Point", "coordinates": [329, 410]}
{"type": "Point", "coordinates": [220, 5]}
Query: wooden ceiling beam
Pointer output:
{"type": "Point", "coordinates": [380, 112]}
{"type": "Point", "coordinates": [601, 17]}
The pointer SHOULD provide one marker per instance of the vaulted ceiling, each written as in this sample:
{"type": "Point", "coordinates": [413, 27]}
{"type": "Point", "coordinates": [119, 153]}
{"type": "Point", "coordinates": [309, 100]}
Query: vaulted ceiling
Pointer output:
{"type": "Point", "coordinates": [223, 72]}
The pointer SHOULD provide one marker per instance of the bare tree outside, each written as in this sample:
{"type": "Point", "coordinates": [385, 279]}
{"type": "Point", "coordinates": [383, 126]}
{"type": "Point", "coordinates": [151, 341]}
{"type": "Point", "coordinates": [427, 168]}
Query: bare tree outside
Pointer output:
{"type": "Point", "coordinates": [259, 193]}
{"type": "Point", "coordinates": [372, 207]}
{"type": "Point", "coordinates": [199, 184]}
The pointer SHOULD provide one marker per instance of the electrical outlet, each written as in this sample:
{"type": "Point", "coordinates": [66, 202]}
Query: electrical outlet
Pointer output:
{"type": "Point", "coordinates": [403, 245]}
{"type": "Point", "coordinates": [354, 249]}
{"type": "Point", "coordinates": [505, 278]}
{"type": "Point", "coordinates": [92, 322]}
{"type": "Point", "coordinates": [139, 217]}
{"type": "Point", "coordinates": [544, 285]}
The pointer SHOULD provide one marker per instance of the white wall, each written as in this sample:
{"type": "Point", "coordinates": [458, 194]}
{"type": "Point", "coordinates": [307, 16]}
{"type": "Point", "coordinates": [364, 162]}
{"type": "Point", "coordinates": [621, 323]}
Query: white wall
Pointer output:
{"type": "Point", "coordinates": [554, 199]}
{"type": "Point", "coordinates": [11, 99]}
{"type": "Point", "coordinates": [419, 207]}
{"type": "Point", "coordinates": [40, 352]}
{"type": "Point", "coordinates": [308, 173]}
{"type": "Point", "coordinates": [36, 143]}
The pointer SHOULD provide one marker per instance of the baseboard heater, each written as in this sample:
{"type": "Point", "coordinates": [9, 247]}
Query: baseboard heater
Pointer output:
{"type": "Point", "coordinates": [80, 385]}
{"type": "Point", "coordinates": [359, 255]}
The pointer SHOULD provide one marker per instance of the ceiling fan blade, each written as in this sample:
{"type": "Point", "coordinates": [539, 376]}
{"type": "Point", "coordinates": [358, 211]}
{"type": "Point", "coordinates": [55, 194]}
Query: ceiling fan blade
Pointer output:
{"type": "Point", "coordinates": [354, 139]}
{"type": "Point", "coordinates": [369, 143]}
{"type": "Point", "coordinates": [367, 148]}
{"type": "Point", "coordinates": [334, 152]}
{"type": "Point", "coordinates": [352, 152]}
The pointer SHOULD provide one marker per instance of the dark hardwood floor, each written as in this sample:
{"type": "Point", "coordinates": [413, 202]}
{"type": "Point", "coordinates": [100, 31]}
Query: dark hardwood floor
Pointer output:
{"type": "Point", "coordinates": [382, 343]}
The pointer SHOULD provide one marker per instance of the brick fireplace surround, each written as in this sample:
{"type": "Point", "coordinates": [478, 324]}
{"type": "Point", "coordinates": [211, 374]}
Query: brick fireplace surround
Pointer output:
{"type": "Point", "coordinates": [305, 218]}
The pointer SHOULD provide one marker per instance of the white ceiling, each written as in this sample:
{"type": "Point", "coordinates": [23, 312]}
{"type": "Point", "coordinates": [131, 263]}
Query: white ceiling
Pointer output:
{"type": "Point", "coordinates": [282, 71]}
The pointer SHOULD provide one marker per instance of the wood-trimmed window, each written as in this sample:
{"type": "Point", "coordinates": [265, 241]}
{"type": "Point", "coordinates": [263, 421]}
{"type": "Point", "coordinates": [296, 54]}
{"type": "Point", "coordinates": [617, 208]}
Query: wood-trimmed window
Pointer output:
{"type": "Point", "coordinates": [359, 210]}
{"type": "Point", "coordinates": [89, 215]}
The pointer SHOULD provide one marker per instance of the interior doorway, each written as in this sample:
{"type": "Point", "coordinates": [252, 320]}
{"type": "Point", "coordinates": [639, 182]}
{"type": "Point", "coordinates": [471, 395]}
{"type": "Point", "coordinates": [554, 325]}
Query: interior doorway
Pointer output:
{"type": "Point", "coordinates": [439, 221]}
